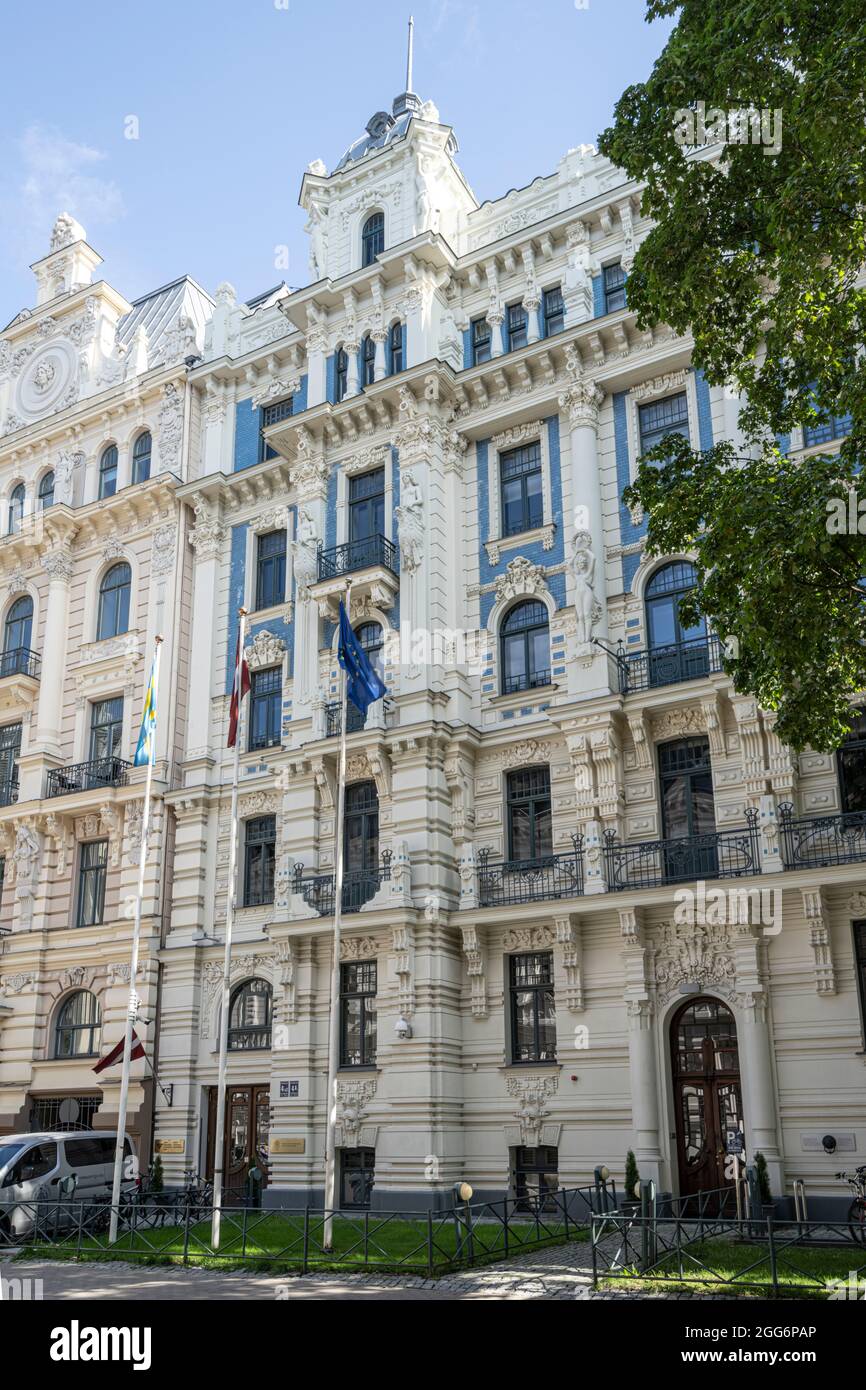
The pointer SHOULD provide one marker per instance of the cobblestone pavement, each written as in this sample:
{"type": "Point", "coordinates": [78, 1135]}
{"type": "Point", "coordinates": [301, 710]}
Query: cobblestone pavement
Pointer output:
{"type": "Point", "coordinates": [562, 1272]}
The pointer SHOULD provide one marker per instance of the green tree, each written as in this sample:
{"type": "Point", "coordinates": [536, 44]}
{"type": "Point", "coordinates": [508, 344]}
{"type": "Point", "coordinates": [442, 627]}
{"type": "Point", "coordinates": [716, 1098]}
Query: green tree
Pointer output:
{"type": "Point", "coordinates": [632, 1176]}
{"type": "Point", "coordinates": [758, 251]}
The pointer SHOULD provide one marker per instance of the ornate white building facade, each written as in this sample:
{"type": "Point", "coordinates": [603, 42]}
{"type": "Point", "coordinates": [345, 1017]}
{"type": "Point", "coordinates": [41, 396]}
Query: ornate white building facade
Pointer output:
{"type": "Point", "coordinates": [447, 416]}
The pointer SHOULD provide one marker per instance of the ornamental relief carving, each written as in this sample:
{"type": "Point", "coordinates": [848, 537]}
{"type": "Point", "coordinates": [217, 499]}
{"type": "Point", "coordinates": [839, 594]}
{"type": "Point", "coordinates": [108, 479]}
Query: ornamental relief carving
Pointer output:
{"type": "Point", "coordinates": [266, 649]}
{"type": "Point", "coordinates": [529, 938]}
{"type": "Point", "coordinates": [686, 953]}
{"type": "Point", "coordinates": [533, 1093]}
{"type": "Point", "coordinates": [521, 578]}
{"type": "Point", "coordinates": [660, 385]}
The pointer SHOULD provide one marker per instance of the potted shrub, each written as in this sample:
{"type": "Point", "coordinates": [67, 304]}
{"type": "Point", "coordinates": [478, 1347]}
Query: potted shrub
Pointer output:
{"type": "Point", "coordinates": [768, 1206]}
{"type": "Point", "coordinates": [157, 1180]}
{"type": "Point", "coordinates": [630, 1204]}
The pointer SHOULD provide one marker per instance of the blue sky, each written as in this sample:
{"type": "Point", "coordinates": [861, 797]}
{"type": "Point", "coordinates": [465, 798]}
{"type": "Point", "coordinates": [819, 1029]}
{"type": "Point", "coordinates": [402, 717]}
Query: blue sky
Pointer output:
{"type": "Point", "coordinates": [233, 98]}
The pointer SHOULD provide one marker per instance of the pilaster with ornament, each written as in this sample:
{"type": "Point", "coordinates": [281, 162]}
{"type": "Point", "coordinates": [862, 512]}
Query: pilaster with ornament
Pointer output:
{"type": "Point", "coordinates": [568, 937]}
{"type": "Point", "coordinates": [818, 922]}
{"type": "Point", "coordinates": [476, 968]}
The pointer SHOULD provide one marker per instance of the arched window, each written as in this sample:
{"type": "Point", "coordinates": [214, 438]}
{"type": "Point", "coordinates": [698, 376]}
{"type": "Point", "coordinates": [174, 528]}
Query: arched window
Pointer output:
{"type": "Point", "coordinates": [46, 490]}
{"type": "Point", "coordinates": [525, 646]}
{"type": "Point", "coordinates": [250, 1017]}
{"type": "Point", "coordinates": [395, 349]}
{"type": "Point", "coordinates": [114, 594]}
{"type": "Point", "coordinates": [16, 509]}
{"type": "Point", "coordinates": [108, 471]}
{"type": "Point", "coordinates": [676, 652]}
{"type": "Point", "coordinates": [341, 368]}
{"type": "Point", "coordinates": [17, 633]}
{"type": "Point", "coordinates": [368, 361]}
{"type": "Point", "coordinates": [373, 238]}
{"type": "Point", "coordinates": [141, 451]}
{"type": "Point", "coordinates": [79, 1026]}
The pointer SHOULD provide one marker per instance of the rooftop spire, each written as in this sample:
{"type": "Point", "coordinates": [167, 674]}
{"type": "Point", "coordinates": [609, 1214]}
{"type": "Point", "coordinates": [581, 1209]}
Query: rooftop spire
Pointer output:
{"type": "Point", "coordinates": [409, 54]}
{"type": "Point", "coordinates": [408, 100]}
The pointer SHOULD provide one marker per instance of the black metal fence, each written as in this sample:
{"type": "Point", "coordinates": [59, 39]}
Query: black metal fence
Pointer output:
{"type": "Point", "coordinates": [503, 881]}
{"type": "Point", "coordinates": [723, 1253]}
{"type": "Point", "coordinates": [84, 777]}
{"type": "Point", "coordinates": [20, 661]}
{"type": "Point", "coordinates": [414, 1242]}
{"type": "Point", "coordinates": [357, 555]}
{"type": "Point", "coordinates": [359, 886]}
{"type": "Point", "coordinates": [819, 841]}
{"type": "Point", "coordinates": [731, 853]}
{"type": "Point", "coordinates": [667, 665]}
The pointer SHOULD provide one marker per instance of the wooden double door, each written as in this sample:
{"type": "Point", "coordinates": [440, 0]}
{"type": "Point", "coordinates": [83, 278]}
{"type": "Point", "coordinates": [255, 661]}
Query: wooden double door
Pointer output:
{"type": "Point", "coordinates": [248, 1121]}
{"type": "Point", "coordinates": [707, 1096]}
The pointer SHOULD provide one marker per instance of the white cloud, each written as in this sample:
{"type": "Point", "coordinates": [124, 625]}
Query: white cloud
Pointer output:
{"type": "Point", "coordinates": [46, 174]}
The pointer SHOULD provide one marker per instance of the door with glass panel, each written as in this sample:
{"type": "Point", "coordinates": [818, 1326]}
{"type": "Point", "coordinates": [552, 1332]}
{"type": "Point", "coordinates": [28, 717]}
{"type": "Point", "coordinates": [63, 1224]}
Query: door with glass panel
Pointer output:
{"type": "Point", "coordinates": [676, 652]}
{"type": "Point", "coordinates": [360, 844]}
{"type": "Point", "coordinates": [688, 810]}
{"type": "Point", "coordinates": [106, 740]}
{"type": "Point", "coordinates": [707, 1096]}
{"type": "Point", "coordinates": [10, 748]}
{"type": "Point", "coordinates": [248, 1118]}
{"type": "Point", "coordinates": [366, 517]}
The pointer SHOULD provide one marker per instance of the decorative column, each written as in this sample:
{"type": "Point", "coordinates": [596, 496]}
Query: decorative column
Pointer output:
{"type": "Point", "coordinates": [496, 318]}
{"type": "Point", "coordinates": [532, 305]}
{"type": "Point", "coordinates": [643, 1073]}
{"type": "Point", "coordinates": [756, 1069]}
{"type": "Point", "coordinates": [49, 713]}
{"type": "Point", "coordinates": [207, 540]}
{"type": "Point", "coordinates": [352, 347]}
{"type": "Point", "coordinates": [582, 400]}
{"type": "Point", "coordinates": [310, 480]}
{"type": "Point", "coordinates": [380, 338]}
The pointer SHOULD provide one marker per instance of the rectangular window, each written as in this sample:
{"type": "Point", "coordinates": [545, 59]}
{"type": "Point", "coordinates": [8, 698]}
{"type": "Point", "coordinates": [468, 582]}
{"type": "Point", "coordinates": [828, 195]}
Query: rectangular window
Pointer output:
{"type": "Point", "coordinates": [536, 1178]}
{"type": "Point", "coordinates": [368, 361]}
{"type": "Point", "coordinates": [480, 342]}
{"type": "Point", "coordinates": [10, 748]}
{"type": "Point", "coordinates": [670, 416]}
{"type": "Point", "coordinates": [367, 505]}
{"type": "Point", "coordinates": [533, 1011]}
{"type": "Point", "coordinates": [357, 1174]}
{"type": "Point", "coordinates": [272, 415]}
{"type": "Point", "coordinates": [106, 731]}
{"type": "Point", "coordinates": [553, 311]}
{"type": "Point", "coordinates": [260, 843]}
{"type": "Point", "coordinates": [342, 375]}
{"type": "Point", "coordinates": [266, 698]}
{"type": "Point", "coordinates": [836, 427]}
{"type": "Point", "coordinates": [860, 967]}
{"type": "Point", "coordinates": [395, 346]}
{"type": "Point", "coordinates": [516, 327]}
{"type": "Point", "coordinates": [614, 288]}
{"type": "Point", "coordinates": [851, 763]}
{"type": "Point", "coordinates": [92, 869]}
{"type": "Point", "coordinates": [271, 569]}
{"type": "Point", "coordinates": [358, 1014]}
{"type": "Point", "coordinates": [520, 482]}
{"type": "Point", "coordinates": [530, 832]}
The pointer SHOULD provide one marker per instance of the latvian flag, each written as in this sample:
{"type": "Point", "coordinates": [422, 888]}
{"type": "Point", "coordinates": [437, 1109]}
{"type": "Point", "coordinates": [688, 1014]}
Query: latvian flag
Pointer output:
{"type": "Point", "coordinates": [242, 679]}
{"type": "Point", "coordinates": [117, 1052]}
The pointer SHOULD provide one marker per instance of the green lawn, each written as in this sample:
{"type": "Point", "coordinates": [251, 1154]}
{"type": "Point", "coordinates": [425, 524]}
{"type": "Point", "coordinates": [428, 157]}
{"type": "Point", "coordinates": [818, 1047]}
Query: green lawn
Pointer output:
{"type": "Point", "coordinates": [802, 1270]}
{"type": "Point", "coordinates": [276, 1241]}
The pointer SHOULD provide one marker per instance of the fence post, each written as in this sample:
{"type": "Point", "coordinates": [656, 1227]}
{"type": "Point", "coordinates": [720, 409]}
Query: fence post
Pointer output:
{"type": "Point", "coordinates": [429, 1244]}
{"type": "Point", "coordinates": [244, 1234]}
{"type": "Point", "coordinates": [594, 1240]}
{"type": "Point", "coordinates": [505, 1224]}
{"type": "Point", "coordinates": [774, 1271]}
{"type": "Point", "coordinates": [306, 1239]}
{"type": "Point", "coordinates": [366, 1238]}
{"type": "Point", "coordinates": [186, 1234]}
{"type": "Point", "coordinates": [80, 1225]}
{"type": "Point", "coordinates": [565, 1209]}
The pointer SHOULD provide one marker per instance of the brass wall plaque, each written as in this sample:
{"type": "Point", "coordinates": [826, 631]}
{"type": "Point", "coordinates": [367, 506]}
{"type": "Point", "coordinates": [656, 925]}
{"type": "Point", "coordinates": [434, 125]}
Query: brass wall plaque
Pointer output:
{"type": "Point", "coordinates": [170, 1146]}
{"type": "Point", "coordinates": [287, 1146]}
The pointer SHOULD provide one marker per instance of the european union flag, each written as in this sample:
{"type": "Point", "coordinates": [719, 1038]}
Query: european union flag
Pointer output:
{"type": "Point", "coordinates": [144, 750]}
{"type": "Point", "coordinates": [363, 686]}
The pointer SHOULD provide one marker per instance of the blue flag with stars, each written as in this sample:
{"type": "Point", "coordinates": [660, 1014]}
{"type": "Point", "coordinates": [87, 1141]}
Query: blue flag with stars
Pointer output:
{"type": "Point", "coordinates": [363, 685]}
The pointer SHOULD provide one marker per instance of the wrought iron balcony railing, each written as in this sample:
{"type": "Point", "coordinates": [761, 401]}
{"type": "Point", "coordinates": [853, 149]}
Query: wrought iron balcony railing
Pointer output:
{"type": "Point", "coordinates": [84, 777]}
{"type": "Point", "coordinates": [527, 680]}
{"type": "Point", "coordinates": [8, 791]}
{"type": "Point", "coordinates": [357, 555]}
{"type": "Point", "coordinates": [20, 661]}
{"type": "Point", "coordinates": [668, 665]}
{"type": "Point", "coordinates": [359, 886]}
{"type": "Point", "coordinates": [814, 842]}
{"type": "Point", "coordinates": [355, 720]}
{"type": "Point", "coordinates": [714, 854]}
{"type": "Point", "coordinates": [505, 881]}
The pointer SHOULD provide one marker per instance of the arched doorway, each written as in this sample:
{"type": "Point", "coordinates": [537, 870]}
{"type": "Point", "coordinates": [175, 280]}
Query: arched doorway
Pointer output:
{"type": "Point", "coordinates": [707, 1096]}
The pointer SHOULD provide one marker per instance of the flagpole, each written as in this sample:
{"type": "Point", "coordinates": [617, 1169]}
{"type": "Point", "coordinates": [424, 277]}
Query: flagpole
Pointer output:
{"type": "Point", "coordinates": [334, 1017]}
{"type": "Point", "coordinates": [133, 963]}
{"type": "Point", "coordinates": [219, 1135]}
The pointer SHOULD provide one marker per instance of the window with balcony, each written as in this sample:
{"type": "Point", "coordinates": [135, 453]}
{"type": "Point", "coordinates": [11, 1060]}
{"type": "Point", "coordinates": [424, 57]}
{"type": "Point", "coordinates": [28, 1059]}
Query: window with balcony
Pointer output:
{"type": "Point", "coordinates": [358, 1014]}
{"type": "Point", "coordinates": [851, 764]}
{"type": "Point", "coordinates": [658, 418]}
{"type": "Point", "coordinates": [367, 505]}
{"type": "Point", "coordinates": [271, 569]}
{"type": "Point", "coordinates": [114, 593]}
{"type": "Point", "coordinates": [675, 652]}
{"type": "Point", "coordinates": [250, 1017]}
{"type": "Point", "coordinates": [141, 452]}
{"type": "Point", "coordinates": [260, 844]}
{"type": "Point", "coordinates": [395, 349]}
{"type": "Point", "coordinates": [341, 374]}
{"type": "Point", "coordinates": [106, 730]}
{"type": "Point", "coordinates": [46, 490]}
{"type": "Point", "coordinates": [553, 311]}
{"type": "Point", "coordinates": [360, 844]}
{"type": "Point", "coordinates": [372, 238]}
{"type": "Point", "coordinates": [92, 869]}
{"type": "Point", "coordinates": [688, 808]}
{"type": "Point", "coordinates": [521, 489]}
{"type": "Point", "coordinates": [108, 471]}
{"type": "Point", "coordinates": [10, 749]}
{"type": "Point", "coordinates": [533, 1007]}
{"type": "Point", "coordinates": [525, 647]}
{"type": "Point", "coordinates": [614, 288]}
{"type": "Point", "coordinates": [273, 414]}
{"type": "Point", "coordinates": [266, 701]}
{"type": "Point", "coordinates": [516, 327]}
{"type": "Point", "coordinates": [481, 342]}
{"type": "Point", "coordinates": [528, 808]}
{"type": "Point", "coordinates": [79, 1026]}
{"type": "Point", "coordinates": [17, 636]}
{"type": "Point", "coordinates": [16, 509]}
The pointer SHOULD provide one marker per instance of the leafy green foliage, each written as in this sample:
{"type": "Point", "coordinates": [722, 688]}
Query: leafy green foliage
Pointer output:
{"type": "Point", "coordinates": [632, 1176]}
{"type": "Point", "coordinates": [759, 256]}
{"type": "Point", "coordinates": [763, 1176]}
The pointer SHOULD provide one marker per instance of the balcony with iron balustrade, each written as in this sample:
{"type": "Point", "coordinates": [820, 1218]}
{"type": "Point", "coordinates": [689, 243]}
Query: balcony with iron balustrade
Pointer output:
{"type": "Point", "coordinates": [504, 882]}
{"type": "Point", "coordinates": [733, 853]}
{"type": "Point", "coordinates": [671, 664]}
{"type": "Point", "coordinates": [819, 842]}
{"type": "Point", "coordinates": [372, 564]}
{"type": "Point", "coordinates": [94, 775]}
{"type": "Point", "coordinates": [359, 887]}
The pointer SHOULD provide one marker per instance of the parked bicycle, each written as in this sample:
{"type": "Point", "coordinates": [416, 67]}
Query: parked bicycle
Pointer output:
{"type": "Point", "coordinates": [195, 1198]}
{"type": "Point", "coordinates": [857, 1210]}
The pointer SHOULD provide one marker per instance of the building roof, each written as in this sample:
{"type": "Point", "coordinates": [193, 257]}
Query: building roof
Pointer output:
{"type": "Point", "coordinates": [159, 310]}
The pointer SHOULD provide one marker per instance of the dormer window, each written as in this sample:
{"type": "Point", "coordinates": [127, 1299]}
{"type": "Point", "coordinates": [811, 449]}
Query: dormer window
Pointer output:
{"type": "Point", "coordinates": [373, 238]}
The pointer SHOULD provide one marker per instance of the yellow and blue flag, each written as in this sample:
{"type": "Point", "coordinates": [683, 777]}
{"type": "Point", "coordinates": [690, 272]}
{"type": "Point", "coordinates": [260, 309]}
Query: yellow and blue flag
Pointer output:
{"type": "Point", "coordinates": [144, 753]}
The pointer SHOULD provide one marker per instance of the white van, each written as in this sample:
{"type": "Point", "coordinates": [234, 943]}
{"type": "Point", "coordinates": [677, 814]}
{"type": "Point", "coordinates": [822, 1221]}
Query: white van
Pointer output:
{"type": "Point", "coordinates": [61, 1166]}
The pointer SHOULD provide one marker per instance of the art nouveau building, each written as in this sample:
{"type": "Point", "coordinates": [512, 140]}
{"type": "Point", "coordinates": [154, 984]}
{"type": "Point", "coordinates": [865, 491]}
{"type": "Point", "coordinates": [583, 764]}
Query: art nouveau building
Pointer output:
{"type": "Point", "coordinates": [94, 435]}
{"type": "Point", "coordinates": [446, 416]}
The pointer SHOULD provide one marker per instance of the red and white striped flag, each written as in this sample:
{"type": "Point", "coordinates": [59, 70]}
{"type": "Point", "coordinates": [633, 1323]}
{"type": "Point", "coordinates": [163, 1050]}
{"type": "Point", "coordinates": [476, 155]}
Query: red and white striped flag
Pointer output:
{"type": "Point", "coordinates": [114, 1056]}
{"type": "Point", "coordinates": [240, 686]}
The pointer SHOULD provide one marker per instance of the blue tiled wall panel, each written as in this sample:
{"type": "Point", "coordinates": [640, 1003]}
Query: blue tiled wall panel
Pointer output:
{"type": "Point", "coordinates": [467, 347]}
{"type": "Point", "coordinates": [598, 296]}
{"type": "Point", "coordinates": [628, 531]}
{"type": "Point", "coordinates": [705, 414]}
{"type": "Point", "coordinates": [299, 400]}
{"type": "Point", "coordinates": [331, 378]}
{"type": "Point", "coordinates": [629, 570]}
{"type": "Point", "coordinates": [246, 435]}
